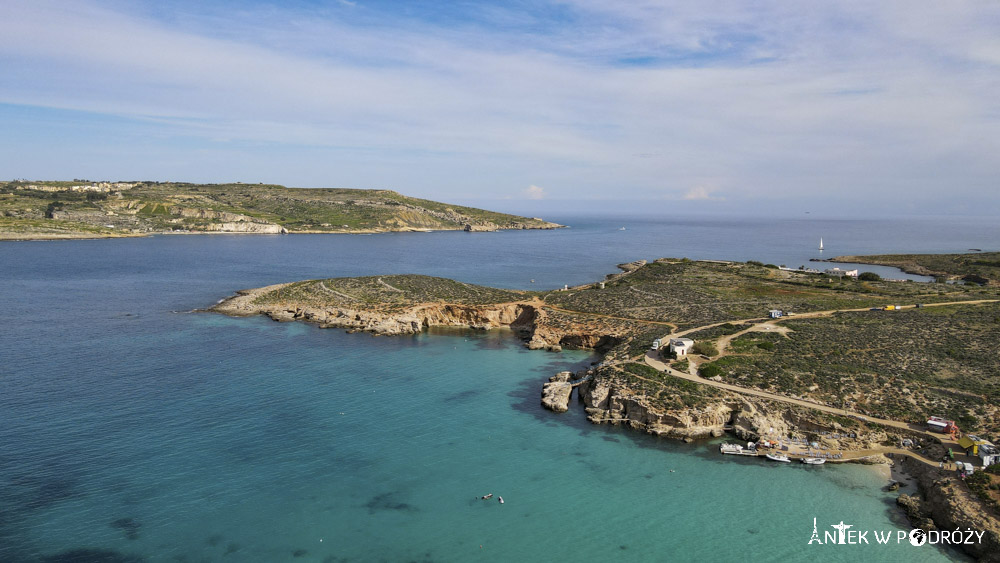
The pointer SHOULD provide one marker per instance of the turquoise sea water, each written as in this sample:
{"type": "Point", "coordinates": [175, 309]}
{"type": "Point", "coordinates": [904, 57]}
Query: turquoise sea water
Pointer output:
{"type": "Point", "coordinates": [133, 429]}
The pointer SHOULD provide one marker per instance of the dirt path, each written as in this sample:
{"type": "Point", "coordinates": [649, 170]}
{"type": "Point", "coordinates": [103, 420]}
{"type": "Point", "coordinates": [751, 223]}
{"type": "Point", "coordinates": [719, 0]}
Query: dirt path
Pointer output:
{"type": "Point", "coordinates": [654, 362]}
{"type": "Point", "coordinates": [848, 454]}
{"type": "Point", "coordinates": [765, 324]}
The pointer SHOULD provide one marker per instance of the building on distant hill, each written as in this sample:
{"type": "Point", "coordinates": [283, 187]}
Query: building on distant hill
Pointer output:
{"type": "Point", "coordinates": [841, 273]}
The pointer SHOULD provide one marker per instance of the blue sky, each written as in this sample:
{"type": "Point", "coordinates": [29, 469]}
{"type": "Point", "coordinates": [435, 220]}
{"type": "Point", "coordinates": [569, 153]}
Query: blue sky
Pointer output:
{"type": "Point", "coordinates": [694, 107]}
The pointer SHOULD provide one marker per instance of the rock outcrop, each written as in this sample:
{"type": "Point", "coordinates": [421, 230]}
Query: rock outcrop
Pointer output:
{"type": "Point", "coordinates": [752, 420]}
{"type": "Point", "coordinates": [246, 227]}
{"type": "Point", "coordinates": [948, 504]}
{"type": "Point", "coordinates": [225, 222]}
{"type": "Point", "coordinates": [480, 227]}
{"type": "Point", "coordinates": [410, 321]}
{"type": "Point", "coordinates": [607, 402]}
{"type": "Point", "coordinates": [626, 269]}
{"type": "Point", "coordinates": [525, 318]}
{"type": "Point", "coordinates": [557, 392]}
{"type": "Point", "coordinates": [608, 399]}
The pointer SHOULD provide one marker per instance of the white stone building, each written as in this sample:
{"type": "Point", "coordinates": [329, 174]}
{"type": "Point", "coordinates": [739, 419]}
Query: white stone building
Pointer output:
{"type": "Point", "coordinates": [680, 346]}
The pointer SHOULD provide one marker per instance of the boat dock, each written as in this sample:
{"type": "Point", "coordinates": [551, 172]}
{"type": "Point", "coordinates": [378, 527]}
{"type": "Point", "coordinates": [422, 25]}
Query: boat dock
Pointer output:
{"type": "Point", "coordinates": [792, 453]}
{"type": "Point", "coordinates": [736, 449]}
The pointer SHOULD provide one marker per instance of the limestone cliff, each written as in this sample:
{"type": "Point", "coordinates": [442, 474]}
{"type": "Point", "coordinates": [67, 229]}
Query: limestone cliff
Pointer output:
{"type": "Point", "coordinates": [557, 392]}
{"type": "Point", "coordinates": [948, 504]}
{"type": "Point", "coordinates": [528, 319]}
{"type": "Point", "coordinates": [611, 397]}
{"type": "Point", "coordinates": [608, 401]}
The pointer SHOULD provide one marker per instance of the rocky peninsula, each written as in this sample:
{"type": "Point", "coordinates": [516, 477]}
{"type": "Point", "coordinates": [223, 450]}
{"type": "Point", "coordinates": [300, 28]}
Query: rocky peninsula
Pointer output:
{"type": "Point", "coordinates": [834, 369]}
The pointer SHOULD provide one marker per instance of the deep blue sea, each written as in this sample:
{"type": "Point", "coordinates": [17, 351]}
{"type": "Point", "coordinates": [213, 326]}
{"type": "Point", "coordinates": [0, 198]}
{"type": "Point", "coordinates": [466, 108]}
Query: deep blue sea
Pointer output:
{"type": "Point", "coordinates": [133, 429]}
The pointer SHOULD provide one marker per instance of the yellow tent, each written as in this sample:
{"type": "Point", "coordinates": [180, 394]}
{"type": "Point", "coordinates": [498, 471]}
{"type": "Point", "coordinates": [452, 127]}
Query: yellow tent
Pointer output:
{"type": "Point", "coordinates": [968, 444]}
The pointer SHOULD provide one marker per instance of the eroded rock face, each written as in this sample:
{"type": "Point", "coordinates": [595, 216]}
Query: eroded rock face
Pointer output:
{"type": "Point", "coordinates": [245, 227]}
{"type": "Point", "coordinates": [410, 321]}
{"type": "Point", "coordinates": [556, 395]}
{"type": "Point", "coordinates": [227, 222]}
{"type": "Point", "coordinates": [916, 511]}
{"type": "Point", "coordinates": [605, 402]}
{"type": "Point", "coordinates": [525, 318]}
{"type": "Point", "coordinates": [948, 504]}
{"type": "Point", "coordinates": [751, 422]}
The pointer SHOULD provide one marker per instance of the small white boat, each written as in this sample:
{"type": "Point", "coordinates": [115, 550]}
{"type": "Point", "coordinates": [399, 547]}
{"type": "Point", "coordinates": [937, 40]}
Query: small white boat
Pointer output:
{"type": "Point", "coordinates": [778, 457]}
{"type": "Point", "coordinates": [814, 460]}
{"type": "Point", "coordinates": [622, 229]}
{"type": "Point", "coordinates": [501, 499]}
{"type": "Point", "coordinates": [821, 243]}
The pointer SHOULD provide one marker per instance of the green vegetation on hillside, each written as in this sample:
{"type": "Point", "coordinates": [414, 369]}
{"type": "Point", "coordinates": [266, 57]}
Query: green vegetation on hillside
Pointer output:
{"type": "Point", "coordinates": [694, 294]}
{"type": "Point", "coordinates": [665, 391]}
{"type": "Point", "coordinates": [148, 207]}
{"type": "Point", "coordinates": [904, 365]}
{"type": "Point", "coordinates": [388, 292]}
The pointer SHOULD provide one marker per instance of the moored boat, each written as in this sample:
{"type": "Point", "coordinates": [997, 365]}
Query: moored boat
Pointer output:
{"type": "Point", "coordinates": [731, 448]}
{"type": "Point", "coordinates": [778, 457]}
{"type": "Point", "coordinates": [814, 460]}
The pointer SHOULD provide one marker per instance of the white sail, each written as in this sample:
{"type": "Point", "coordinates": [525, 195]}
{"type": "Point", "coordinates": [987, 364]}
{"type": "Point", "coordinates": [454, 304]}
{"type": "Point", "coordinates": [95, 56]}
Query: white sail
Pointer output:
{"type": "Point", "coordinates": [821, 243]}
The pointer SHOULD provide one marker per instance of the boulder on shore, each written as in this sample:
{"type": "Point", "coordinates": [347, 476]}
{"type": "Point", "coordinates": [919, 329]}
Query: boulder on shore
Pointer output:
{"type": "Point", "coordinates": [556, 395]}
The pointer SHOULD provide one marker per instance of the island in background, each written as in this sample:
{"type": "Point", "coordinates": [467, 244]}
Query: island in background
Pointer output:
{"type": "Point", "coordinates": [83, 209]}
{"type": "Point", "coordinates": [853, 366]}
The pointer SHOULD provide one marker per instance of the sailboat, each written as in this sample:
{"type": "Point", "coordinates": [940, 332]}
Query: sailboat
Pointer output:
{"type": "Point", "coordinates": [821, 244]}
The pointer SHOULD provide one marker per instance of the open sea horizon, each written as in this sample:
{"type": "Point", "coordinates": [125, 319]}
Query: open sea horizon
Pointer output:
{"type": "Point", "coordinates": [134, 429]}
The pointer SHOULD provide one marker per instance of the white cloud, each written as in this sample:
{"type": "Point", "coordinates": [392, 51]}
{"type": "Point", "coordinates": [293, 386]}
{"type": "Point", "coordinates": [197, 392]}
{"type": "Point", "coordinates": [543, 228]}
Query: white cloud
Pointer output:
{"type": "Point", "coordinates": [848, 99]}
{"type": "Point", "coordinates": [534, 192]}
{"type": "Point", "coordinates": [702, 193]}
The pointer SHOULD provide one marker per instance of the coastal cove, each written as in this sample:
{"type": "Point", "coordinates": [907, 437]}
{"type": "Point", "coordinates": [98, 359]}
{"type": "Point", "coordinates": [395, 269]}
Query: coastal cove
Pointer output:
{"type": "Point", "coordinates": [141, 429]}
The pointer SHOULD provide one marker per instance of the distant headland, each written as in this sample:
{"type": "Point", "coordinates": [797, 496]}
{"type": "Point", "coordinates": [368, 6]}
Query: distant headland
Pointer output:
{"type": "Point", "coordinates": [34, 210]}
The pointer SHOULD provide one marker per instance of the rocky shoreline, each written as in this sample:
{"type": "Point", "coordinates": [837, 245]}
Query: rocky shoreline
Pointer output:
{"type": "Point", "coordinates": [526, 318]}
{"type": "Point", "coordinates": [251, 228]}
{"type": "Point", "coordinates": [943, 502]}
{"type": "Point", "coordinates": [611, 395]}
{"type": "Point", "coordinates": [605, 397]}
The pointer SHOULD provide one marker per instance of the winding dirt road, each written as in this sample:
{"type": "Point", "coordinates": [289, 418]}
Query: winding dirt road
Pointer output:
{"type": "Point", "coordinates": [653, 361]}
